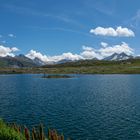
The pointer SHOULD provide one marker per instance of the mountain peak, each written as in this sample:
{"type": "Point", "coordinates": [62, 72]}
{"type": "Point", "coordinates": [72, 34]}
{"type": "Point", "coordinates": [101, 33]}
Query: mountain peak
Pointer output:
{"type": "Point", "coordinates": [118, 57]}
{"type": "Point", "coordinates": [123, 53]}
{"type": "Point", "coordinates": [38, 61]}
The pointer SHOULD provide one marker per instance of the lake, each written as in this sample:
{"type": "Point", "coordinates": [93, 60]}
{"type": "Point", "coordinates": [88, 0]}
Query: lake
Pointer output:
{"type": "Point", "coordinates": [85, 107]}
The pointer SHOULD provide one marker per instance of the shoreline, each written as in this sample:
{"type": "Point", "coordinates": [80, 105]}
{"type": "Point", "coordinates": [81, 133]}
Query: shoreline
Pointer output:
{"type": "Point", "coordinates": [71, 73]}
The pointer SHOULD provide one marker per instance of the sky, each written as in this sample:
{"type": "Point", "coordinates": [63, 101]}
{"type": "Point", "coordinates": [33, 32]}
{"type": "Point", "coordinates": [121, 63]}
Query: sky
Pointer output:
{"type": "Point", "coordinates": [53, 30]}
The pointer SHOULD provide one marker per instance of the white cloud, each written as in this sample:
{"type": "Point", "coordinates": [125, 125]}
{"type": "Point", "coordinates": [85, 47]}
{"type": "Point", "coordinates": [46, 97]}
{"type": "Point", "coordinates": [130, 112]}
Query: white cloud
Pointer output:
{"type": "Point", "coordinates": [104, 31]}
{"type": "Point", "coordinates": [86, 48]}
{"type": "Point", "coordinates": [48, 59]}
{"type": "Point", "coordinates": [124, 32]}
{"type": "Point", "coordinates": [119, 31]}
{"type": "Point", "coordinates": [6, 51]}
{"type": "Point", "coordinates": [34, 54]}
{"type": "Point", "coordinates": [67, 56]}
{"type": "Point", "coordinates": [106, 50]}
{"type": "Point", "coordinates": [103, 44]}
{"type": "Point", "coordinates": [87, 53]}
{"type": "Point", "coordinates": [14, 49]}
{"type": "Point", "coordinates": [123, 47]}
{"type": "Point", "coordinates": [12, 35]}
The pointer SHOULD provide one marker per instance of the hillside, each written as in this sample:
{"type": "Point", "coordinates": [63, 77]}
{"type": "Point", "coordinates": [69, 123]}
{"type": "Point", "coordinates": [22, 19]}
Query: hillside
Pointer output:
{"type": "Point", "coordinates": [95, 63]}
{"type": "Point", "coordinates": [130, 66]}
{"type": "Point", "coordinates": [97, 67]}
{"type": "Point", "coordinates": [16, 62]}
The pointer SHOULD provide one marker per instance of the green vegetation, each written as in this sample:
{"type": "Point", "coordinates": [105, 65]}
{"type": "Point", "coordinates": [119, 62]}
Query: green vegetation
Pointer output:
{"type": "Point", "coordinates": [9, 133]}
{"type": "Point", "coordinates": [131, 66]}
{"type": "Point", "coordinates": [16, 132]}
{"type": "Point", "coordinates": [56, 76]}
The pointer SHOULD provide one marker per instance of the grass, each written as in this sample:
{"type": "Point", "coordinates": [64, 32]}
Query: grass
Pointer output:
{"type": "Point", "coordinates": [16, 132]}
{"type": "Point", "coordinates": [131, 66]}
{"type": "Point", "coordinates": [8, 133]}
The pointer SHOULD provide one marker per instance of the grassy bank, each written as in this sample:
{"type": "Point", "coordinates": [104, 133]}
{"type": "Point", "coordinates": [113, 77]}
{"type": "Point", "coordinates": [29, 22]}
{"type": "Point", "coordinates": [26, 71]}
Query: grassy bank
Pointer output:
{"type": "Point", "coordinates": [9, 133]}
{"type": "Point", "coordinates": [83, 67]}
{"type": "Point", "coordinates": [16, 132]}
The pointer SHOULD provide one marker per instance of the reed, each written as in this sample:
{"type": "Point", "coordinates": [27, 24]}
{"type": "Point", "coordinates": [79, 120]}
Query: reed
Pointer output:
{"type": "Point", "coordinates": [38, 133]}
{"type": "Point", "coordinates": [23, 133]}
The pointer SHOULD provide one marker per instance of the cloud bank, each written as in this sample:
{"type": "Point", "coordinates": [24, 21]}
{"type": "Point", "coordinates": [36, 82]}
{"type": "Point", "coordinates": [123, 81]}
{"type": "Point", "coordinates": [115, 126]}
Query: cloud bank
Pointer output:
{"type": "Point", "coordinates": [118, 32]}
{"type": "Point", "coordinates": [6, 51]}
{"type": "Point", "coordinates": [34, 54]}
{"type": "Point", "coordinates": [87, 53]}
{"type": "Point", "coordinates": [48, 59]}
{"type": "Point", "coordinates": [109, 50]}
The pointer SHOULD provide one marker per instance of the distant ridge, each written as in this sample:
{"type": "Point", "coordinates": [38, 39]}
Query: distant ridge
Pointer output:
{"type": "Point", "coordinates": [118, 57]}
{"type": "Point", "coordinates": [17, 61]}
{"type": "Point", "coordinates": [21, 60]}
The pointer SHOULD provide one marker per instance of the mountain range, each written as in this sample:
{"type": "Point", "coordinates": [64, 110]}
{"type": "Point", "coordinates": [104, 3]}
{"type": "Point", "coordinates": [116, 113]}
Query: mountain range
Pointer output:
{"type": "Point", "coordinates": [23, 61]}
{"type": "Point", "coordinates": [17, 61]}
{"type": "Point", "coordinates": [118, 57]}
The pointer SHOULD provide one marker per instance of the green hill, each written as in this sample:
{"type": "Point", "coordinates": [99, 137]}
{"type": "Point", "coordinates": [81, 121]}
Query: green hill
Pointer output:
{"type": "Point", "coordinates": [97, 67]}
{"type": "Point", "coordinates": [131, 66]}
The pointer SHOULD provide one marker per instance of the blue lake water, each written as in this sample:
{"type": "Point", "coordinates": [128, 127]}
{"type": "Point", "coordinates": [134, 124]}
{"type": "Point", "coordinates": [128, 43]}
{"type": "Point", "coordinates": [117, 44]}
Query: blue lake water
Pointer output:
{"type": "Point", "coordinates": [86, 107]}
